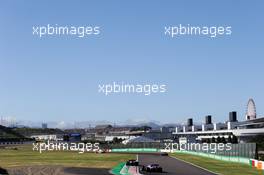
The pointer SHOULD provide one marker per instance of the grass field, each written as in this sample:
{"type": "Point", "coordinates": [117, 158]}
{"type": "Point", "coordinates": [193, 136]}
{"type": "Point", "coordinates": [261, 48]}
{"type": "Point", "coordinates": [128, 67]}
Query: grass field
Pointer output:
{"type": "Point", "coordinates": [24, 156]}
{"type": "Point", "coordinates": [217, 166]}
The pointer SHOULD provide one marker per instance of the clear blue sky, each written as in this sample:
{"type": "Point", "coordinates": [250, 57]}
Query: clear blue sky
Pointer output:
{"type": "Point", "coordinates": [56, 78]}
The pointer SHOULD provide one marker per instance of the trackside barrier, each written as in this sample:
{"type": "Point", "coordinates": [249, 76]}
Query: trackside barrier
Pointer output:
{"type": "Point", "coordinates": [218, 157]}
{"type": "Point", "coordinates": [257, 164]}
{"type": "Point", "coordinates": [135, 150]}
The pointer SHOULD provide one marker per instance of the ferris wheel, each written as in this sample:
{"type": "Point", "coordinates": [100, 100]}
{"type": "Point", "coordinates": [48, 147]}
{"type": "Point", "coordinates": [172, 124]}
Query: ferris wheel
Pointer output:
{"type": "Point", "coordinates": [251, 110]}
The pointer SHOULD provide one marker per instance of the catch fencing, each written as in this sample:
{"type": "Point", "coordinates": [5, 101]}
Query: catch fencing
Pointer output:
{"type": "Point", "coordinates": [246, 150]}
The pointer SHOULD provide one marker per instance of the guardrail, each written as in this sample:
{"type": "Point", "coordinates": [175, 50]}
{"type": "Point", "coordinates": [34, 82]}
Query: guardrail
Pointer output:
{"type": "Point", "coordinates": [236, 159]}
{"type": "Point", "coordinates": [143, 150]}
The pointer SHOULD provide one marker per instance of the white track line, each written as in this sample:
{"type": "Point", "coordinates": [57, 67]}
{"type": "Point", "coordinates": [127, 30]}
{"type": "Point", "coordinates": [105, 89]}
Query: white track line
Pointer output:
{"type": "Point", "coordinates": [195, 165]}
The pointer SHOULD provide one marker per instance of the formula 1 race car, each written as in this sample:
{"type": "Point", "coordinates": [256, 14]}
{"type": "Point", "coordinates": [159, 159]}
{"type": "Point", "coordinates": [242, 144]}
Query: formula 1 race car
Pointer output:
{"type": "Point", "coordinates": [164, 154]}
{"type": "Point", "coordinates": [132, 163]}
{"type": "Point", "coordinates": [152, 168]}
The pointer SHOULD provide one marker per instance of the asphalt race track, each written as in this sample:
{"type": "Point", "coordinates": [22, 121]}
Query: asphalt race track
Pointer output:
{"type": "Point", "coordinates": [170, 165]}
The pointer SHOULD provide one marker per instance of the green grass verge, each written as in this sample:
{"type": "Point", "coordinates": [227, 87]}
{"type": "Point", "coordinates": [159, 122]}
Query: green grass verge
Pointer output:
{"type": "Point", "coordinates": [24, 156]}
{"type": "Point", "coordinates": [217, 166]}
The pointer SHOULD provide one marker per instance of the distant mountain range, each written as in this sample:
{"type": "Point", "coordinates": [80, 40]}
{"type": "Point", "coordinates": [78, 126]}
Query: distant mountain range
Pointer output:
{"type": "Point", "coordinates": [89, 124]}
